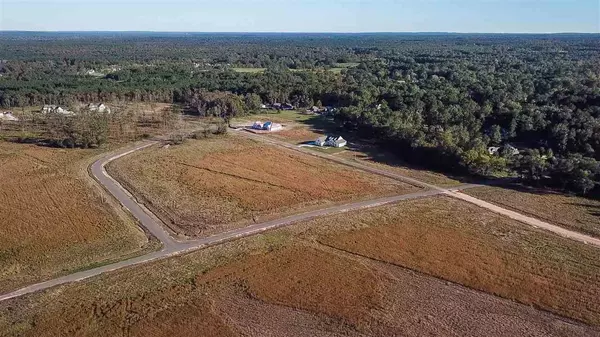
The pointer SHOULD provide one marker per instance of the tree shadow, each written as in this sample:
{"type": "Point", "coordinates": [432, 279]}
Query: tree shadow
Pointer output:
{"type": "Point", "coordinates": [375, 152]}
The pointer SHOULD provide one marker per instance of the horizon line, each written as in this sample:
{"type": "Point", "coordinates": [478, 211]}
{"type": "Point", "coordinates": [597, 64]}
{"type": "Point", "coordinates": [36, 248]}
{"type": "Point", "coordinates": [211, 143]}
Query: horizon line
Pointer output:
{"type": "Point", "coordinates": [291, 32]}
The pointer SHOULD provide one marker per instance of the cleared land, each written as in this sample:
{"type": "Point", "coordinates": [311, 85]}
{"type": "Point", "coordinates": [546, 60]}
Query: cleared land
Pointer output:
{"type": "Point", "coordinates": [249, 70]}
{"type": "Point", "coordinates": [298, 132]}
{"type": "Point", "coordinates": [208, 186]}
{"type": "Point", "coordinates": [572, 212]}
{"type": "Point", "coordinates": [460, 242]}
{"type": "Point", "coordinates": [53, 220]}
{"type": "Point", "coordinates": [320, 279]}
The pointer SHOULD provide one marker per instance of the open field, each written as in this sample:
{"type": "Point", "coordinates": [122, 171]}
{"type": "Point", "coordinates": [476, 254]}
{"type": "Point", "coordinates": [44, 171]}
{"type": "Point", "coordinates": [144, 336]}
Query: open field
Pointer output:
{"type": "Point", "coordinates": [333, 277]}
{"type": "Point", "coordinates": [208, 186]}
{"type": "Point", "coordinates": [249, 70]}
{"type": "Point", "coordinates": [128, 121]}
{"type": "Point", "coordinates": [572, 212]}
{"type": "Point", "coordinates": [338, 67]}
{"type": "Point", "coordinates": [299, 133]}
{"type": "Point", "coordinates": [53, 220]}
{"type": "Point", "coordinates": [462, 243]}
{"type": "Point", "coordinates": [281, 116]}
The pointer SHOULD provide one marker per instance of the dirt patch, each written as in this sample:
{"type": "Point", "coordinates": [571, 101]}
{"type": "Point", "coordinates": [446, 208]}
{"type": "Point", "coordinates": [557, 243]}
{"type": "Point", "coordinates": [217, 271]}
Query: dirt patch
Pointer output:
{"type": "Point", "coordinates": [572, 212]}
{"type": "Point", "coordinates": [208, 186]}
{"type": "Point", "coordinates": [459, 242]}
{"type": "Point", "coordinates": [53, 221]}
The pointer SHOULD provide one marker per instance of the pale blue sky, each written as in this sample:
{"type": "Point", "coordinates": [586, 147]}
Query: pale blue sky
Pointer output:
{"type": "Point", "coordinates": [529, 16]}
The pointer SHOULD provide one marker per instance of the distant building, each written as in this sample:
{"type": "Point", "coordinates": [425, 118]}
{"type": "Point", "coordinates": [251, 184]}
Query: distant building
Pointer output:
{"type": "Point", "coordinates": [287, 106]}
{"type": "Point", "coordinates": [8, 116]}
{"type": "Point", "coordinates": [257, 125]}
{"type": "Point", "coordinates": [56, 110]}
{"type": "Point", "coordinates": [504, 150]}
{"type": "Point", "coordinates": [493, 149]}
{"type": "Point", "coordinates": [100, 107]}
{"type": "Point", "coordinates": [270, 126]}
{"type": "Point", "coordinates": [332, 141]}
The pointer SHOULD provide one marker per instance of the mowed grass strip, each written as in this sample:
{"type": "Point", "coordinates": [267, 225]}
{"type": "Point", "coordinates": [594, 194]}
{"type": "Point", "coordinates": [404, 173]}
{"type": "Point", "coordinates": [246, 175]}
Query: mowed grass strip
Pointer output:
{"type": "Point", "coordinates": [572, 212]}
{"type": "Point", "coordinates": [52, 220]}
{"type": "Point", "coordinates": [208, 186]}
{"type": "Point", "coordinates": [462, 243]}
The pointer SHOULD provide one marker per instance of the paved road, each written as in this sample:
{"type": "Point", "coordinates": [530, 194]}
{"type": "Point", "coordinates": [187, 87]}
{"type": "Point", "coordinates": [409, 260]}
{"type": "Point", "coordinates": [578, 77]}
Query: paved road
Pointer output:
{"type": "Point", "coordinates": [171, 246]}
{"type": "Point", "coordinates": [452, 192]}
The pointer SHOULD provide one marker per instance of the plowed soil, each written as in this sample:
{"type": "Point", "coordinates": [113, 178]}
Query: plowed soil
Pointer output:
{"type": "Point", "coordinates": [51, 220]}
{"type": "Point", "coordinates": [208, 186]}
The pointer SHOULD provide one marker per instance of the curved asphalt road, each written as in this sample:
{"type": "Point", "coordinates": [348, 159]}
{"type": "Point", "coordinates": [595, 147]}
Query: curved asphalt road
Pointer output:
{"type": "Point", "coordinates": [172, 247]}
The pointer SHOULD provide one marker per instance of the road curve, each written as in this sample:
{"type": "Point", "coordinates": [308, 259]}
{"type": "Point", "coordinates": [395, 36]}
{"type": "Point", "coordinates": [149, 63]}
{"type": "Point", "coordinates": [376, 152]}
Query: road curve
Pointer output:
{"type": "Point", "coordinates": [172, 247]}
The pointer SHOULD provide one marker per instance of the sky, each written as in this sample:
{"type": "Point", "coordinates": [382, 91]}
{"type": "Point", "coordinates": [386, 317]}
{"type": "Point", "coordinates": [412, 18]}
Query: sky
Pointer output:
{"type": "Point", "coordinates": [465, 16]}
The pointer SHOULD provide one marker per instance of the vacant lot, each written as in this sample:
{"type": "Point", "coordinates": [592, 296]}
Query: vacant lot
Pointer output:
{"type": "Point", "coordinates": [208, 186]}
{"type": "Point", "coordinates": [462, 243]}
{"type": "Point", "coordinates": [340, 276]}
{"type": "Point", "coordinates": [52, 220]}
{"type": "Point", "coordinates": [284, 116]}
{"type": "Point", "coordinates": [576, 213]}
{"type": "Point", "coordinates": [297, 135]}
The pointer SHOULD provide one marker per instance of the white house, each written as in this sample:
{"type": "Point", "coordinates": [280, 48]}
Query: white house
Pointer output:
{"type": "Point", "coordinates": [270, 126]}
{"type": "Point", "coordinates": [100, 107]}
{"type": "Point", "coordinates": [493, 149]}
{"type": "Point", "coordinates": [321, 141]}
{"type": "Point", "coordinates": [332, 141]}
{"type": "Point", "coordinates": [56, 109]}
{"type": "Point", "coordinates": [8, 116]}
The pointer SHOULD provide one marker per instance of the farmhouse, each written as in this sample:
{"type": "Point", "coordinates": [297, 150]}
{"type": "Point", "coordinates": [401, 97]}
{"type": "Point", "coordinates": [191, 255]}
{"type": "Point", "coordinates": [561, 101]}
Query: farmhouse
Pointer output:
{"type": "Point", "coordinates": [504, 150]}
{"type": "Point", "coordinates": [100, 107]}
{"type": "Point", "coordinates": [270, 126]}
{"type": "Point", "coordinates": [7, 116]}
{"type": "Point", "coordinates": [55, 109]}
{"type": "Point", "coordinates": [332, 141]}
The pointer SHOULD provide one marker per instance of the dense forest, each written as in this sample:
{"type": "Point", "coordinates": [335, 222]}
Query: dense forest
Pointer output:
{"type": "Point", "coordinates": [526, 105]}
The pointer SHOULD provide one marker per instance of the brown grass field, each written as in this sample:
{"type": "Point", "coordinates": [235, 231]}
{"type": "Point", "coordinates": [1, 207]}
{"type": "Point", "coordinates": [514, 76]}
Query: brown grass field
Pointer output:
{"type": "Point", "coordinates": [354, 274]}
{"type": "Point", "coordinates": [52, 220]}
{"type": "Point", "coordinates": [208, 186]}
{"type": "Point", "coordinates": [572, 212]}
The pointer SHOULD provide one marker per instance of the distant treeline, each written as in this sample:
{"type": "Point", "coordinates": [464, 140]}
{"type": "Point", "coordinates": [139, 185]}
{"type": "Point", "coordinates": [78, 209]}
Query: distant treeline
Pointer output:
{"type": "Point", "coordinates": [455, 102]}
